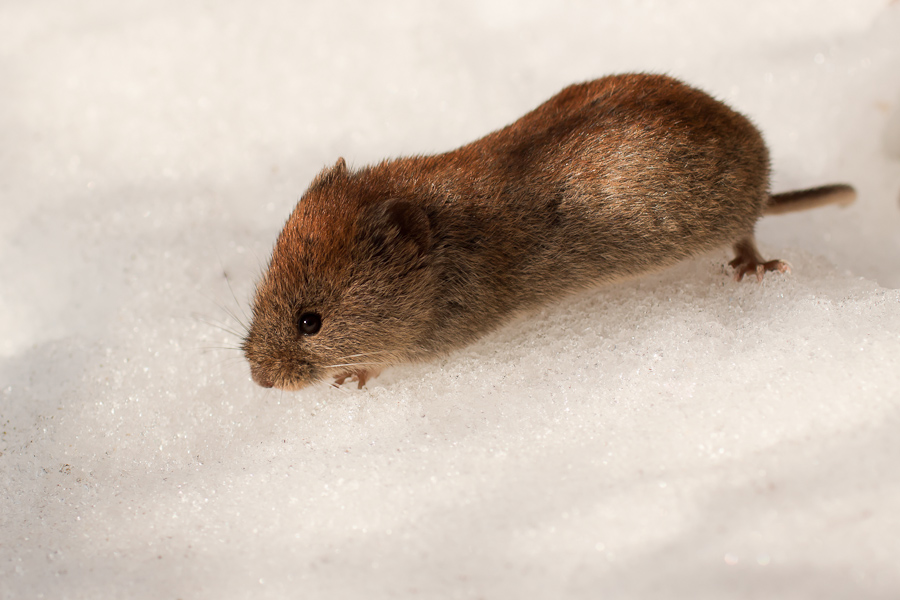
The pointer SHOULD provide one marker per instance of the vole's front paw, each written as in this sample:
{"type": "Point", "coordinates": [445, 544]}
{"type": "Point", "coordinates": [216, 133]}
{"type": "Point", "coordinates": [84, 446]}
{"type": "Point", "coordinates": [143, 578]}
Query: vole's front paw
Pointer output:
{"type": "Point", "coordinates": [360, 377]}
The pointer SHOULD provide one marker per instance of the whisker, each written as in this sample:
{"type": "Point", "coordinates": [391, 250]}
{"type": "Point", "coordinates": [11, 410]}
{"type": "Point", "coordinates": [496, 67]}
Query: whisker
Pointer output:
{"type": "Point", "coordinates": [359, 364]}
{"type": "Point", "coordinates": [230, 362]}
{"type": "Point", "coordinates": [224, 309]}
{"type": "Point", "coordinates": [219, 326]}
{"type": "Point", "coordinates": [233, 360]}
{"type": "Point", "coordinates": [235, 348]}
{"type": "Point", "coordinates": [234, 316]}
{"type": "Point", "coordinates": [233, 295]}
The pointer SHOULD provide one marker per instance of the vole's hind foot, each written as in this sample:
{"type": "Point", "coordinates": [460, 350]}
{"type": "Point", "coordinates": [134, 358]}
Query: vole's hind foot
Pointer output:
{"type": "Point", "coordinates": [741, 268]}
{"type": "Point", "coordinates": [360, 377]}
{"type": "Point", "coordinates": [747, 260]}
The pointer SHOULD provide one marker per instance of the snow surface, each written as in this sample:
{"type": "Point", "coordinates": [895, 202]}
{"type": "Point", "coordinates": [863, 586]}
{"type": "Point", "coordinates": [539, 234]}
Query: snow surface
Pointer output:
{"type": "Point", "coordinates": [680, 435]}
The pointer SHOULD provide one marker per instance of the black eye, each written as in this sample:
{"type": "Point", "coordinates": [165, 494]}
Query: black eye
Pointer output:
{"type": "Point", "coordinates": [309, 323]}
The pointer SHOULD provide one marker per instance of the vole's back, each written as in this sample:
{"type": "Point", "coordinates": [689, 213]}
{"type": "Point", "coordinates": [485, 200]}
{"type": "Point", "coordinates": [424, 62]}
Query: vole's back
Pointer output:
{"type": "Point", "coordinates": [615, 177]}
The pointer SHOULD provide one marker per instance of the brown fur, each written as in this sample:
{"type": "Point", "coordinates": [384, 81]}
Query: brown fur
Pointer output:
{"type": "Point", "coordinates": [415, 257]}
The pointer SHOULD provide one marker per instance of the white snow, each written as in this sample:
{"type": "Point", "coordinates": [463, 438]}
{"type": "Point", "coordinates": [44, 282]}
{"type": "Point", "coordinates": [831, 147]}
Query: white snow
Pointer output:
{"type": "Point", "coordinates": [680, 435]}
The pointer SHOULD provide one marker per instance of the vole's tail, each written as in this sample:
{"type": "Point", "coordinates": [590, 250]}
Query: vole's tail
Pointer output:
{"type": "Point", "coordinates": [839, 193]}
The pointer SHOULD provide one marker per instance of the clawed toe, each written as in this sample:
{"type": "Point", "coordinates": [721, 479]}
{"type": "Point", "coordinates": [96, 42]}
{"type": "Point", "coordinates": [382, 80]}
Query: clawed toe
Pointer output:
{"type": "Point", "coordinates": [745, 268]}
{"type": "Point", "coordinates": [748, 261]}
{"type": "Point", "coordinates": [360, 377]}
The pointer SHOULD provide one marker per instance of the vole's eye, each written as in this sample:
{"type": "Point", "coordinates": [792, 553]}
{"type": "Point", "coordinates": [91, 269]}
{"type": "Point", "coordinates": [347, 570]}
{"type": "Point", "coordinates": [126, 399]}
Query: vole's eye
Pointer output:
{"type": "Point", "coordinates": [309, 323]}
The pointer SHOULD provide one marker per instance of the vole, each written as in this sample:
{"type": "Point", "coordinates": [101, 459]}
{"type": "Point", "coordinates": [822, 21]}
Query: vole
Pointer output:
{"type": "Point", "coordinates": [411, 258]}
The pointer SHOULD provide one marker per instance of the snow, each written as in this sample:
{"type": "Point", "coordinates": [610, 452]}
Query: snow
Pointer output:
{"type": "Point", "coordinates": [679, 435]}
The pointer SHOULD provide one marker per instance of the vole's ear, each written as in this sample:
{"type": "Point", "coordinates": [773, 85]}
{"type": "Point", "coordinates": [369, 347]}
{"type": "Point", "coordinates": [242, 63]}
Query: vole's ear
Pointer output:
{"type": "Point", "coordinates": [329, 174]}
{"type": "Point", "coordinates": [396, 226]}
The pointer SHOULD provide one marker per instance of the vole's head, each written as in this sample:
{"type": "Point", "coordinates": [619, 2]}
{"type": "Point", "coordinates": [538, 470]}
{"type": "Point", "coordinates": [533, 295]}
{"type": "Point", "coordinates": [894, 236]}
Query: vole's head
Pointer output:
{"type": "Point", "coordinates": [349, 288]}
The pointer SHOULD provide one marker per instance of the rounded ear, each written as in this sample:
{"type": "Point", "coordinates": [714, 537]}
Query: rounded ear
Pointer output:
{"type": "Point", "coordinates": [329, 174]}
{"type": "Point", "coordinates": [396, 226]}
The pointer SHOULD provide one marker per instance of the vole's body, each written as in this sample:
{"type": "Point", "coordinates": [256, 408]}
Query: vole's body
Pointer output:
{"type": "Point", "coordinates": [415, 257]}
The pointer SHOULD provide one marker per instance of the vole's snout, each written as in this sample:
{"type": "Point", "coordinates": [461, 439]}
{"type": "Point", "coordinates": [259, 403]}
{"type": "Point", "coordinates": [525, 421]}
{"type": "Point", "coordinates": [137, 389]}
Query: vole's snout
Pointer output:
{"type": "Point", "coordinates": [289, 373]}
{"type": "Point", "coordinates": [261, 379]}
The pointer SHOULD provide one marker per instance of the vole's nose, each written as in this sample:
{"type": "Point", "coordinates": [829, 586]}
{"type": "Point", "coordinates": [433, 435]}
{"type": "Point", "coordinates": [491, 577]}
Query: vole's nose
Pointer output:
{"type": "Point", "coordinates": [261, 379]}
